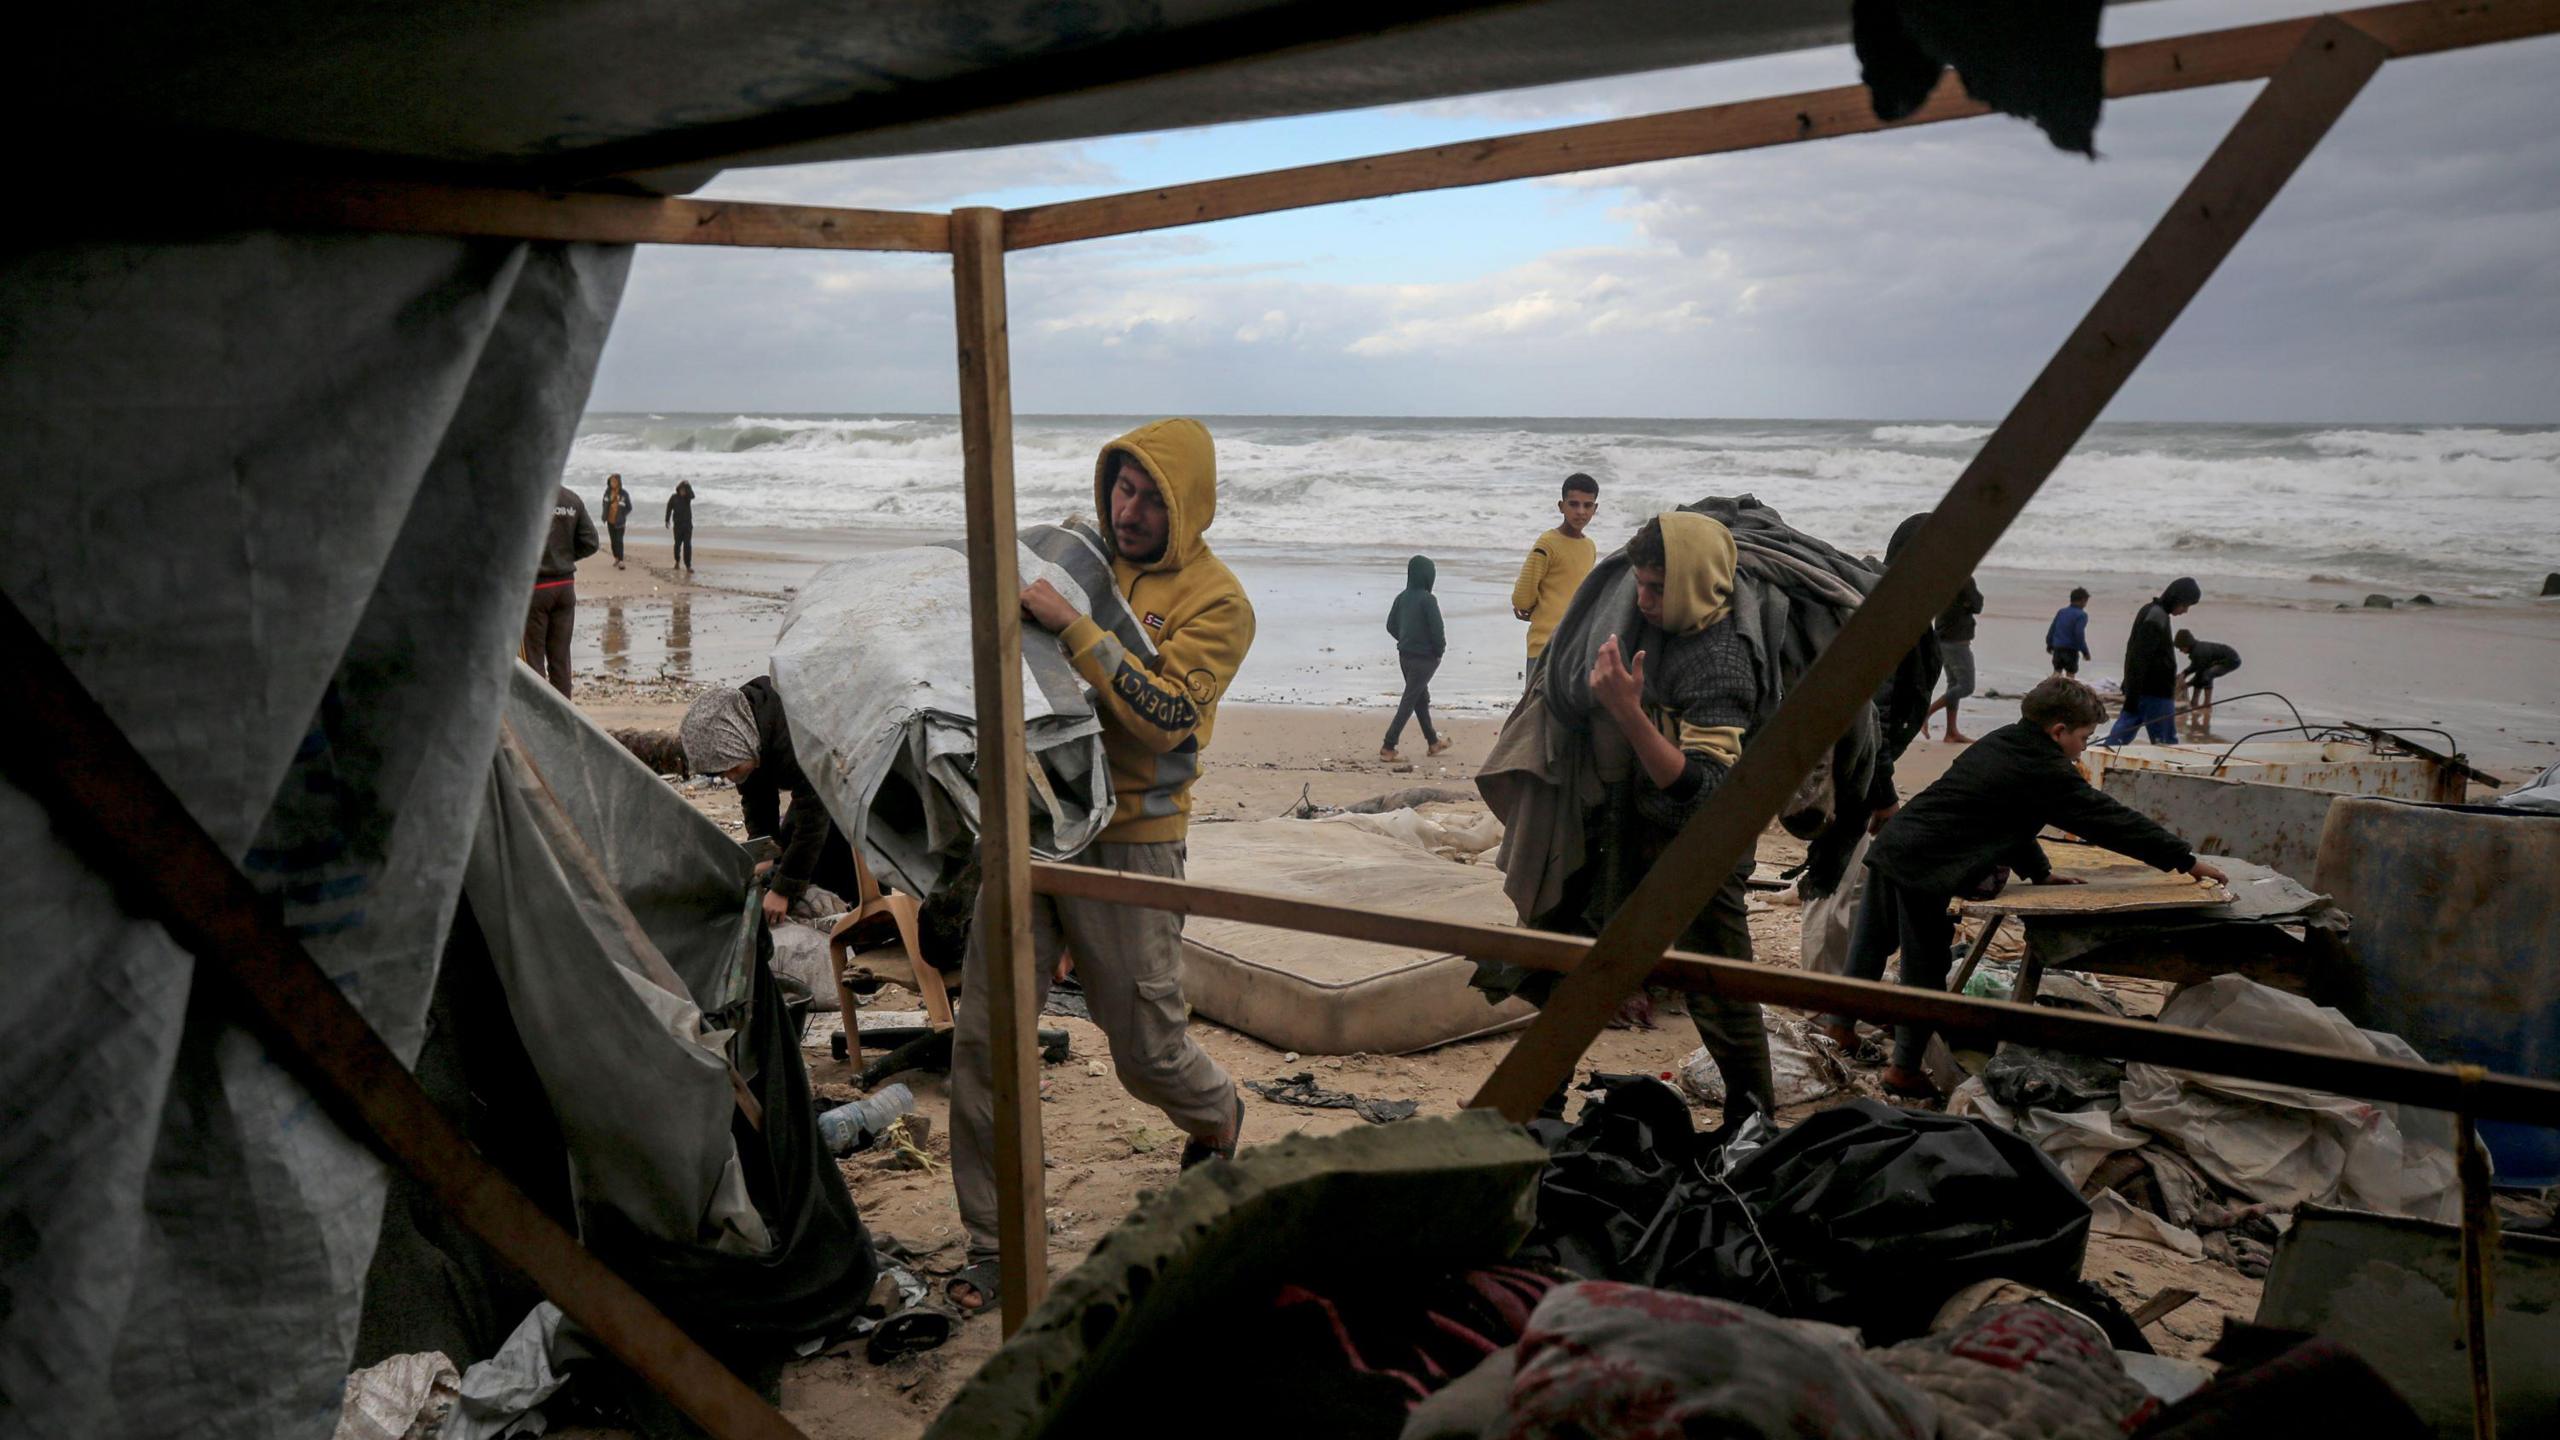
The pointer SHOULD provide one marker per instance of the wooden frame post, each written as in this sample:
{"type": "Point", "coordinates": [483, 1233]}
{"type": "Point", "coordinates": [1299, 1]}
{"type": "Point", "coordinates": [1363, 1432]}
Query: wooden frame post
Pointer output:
{"type": "Point", "coordinates": [1004, 814]}
{"type": "Point", "coordinates": [2281, 127]}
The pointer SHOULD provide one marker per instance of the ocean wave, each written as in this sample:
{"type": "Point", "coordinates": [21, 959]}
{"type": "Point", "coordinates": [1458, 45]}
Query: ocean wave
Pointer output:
{"type": "Point", "coordinates": [1928, 434]}
{"type": "Point", "coordinates": [2452, 443]}
{"type": "Point", "coordinates": [2445, 509]}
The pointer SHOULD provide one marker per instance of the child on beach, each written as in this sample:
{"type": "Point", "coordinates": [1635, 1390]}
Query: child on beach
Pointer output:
{"type": "Point", "coordinates": [1414, 621]}
{"type": "Point", "coordinates": [1962, 835]}
{"type": "Point", "coordinates": [1555, 567]}
{"type": "Point", "coordinates": [1955, 627]}
{"type": "Point", "coordinates": [2067, 638]}
{"type": "Point", "coordinates": [2207, 661]}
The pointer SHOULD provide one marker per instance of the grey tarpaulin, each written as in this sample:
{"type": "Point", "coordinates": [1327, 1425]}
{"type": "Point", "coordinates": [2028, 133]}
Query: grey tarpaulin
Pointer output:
{"type": "Point", "coordinates": [276, 500]}
{"type": "Point", "coordinates": [640, 1089]}
{"type": "Point", "coordinates": [874, 669]}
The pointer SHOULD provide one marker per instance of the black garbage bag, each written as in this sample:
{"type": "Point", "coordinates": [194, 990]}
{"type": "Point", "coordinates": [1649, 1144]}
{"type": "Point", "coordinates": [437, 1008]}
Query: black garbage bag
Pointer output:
{"type": "Point", "coordinates": [2022, 1077]}
{"type": "Point", "coordinates": [1871, 1216]}
{"type": "Point", "coordinates": [1609, 1177]}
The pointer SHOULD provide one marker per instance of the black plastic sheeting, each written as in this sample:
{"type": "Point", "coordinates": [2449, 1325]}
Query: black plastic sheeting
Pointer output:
{"type": "Point", "coordinates": [1863, 1215]}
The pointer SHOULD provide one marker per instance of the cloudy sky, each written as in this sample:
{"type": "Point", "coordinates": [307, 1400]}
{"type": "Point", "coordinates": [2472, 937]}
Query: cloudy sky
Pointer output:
{"type": "Point", "coordinates": [2410, 272]}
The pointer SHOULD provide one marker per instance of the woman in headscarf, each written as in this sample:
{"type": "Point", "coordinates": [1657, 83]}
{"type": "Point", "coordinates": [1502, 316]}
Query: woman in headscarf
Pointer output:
{"type": "Point", "coordinates": [741, 735]}
{"type": "Point", "coordinates": [1681, 702]}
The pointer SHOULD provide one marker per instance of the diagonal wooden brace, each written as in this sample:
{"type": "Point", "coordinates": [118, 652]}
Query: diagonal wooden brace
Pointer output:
{"type": "Point", "coordinates": [2281, 127]}
{"type": "Point", "coordinates": [109, 805]}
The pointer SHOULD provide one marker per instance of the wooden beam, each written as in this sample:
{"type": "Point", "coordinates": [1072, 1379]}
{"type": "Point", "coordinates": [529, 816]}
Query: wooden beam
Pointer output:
{"type": "Point", "coordinates": [424, 209]}
{"type": "Point", "coordinates": [1004, 810]}
{"type": "Point", "coordinates": [2273, 137]}
{"type": "Point", "coordinates": [112, 808]}
{"type": "Point", "coordinates": [2434, 1087]}
{"type": "Point", "coordinates": [2151, 67]}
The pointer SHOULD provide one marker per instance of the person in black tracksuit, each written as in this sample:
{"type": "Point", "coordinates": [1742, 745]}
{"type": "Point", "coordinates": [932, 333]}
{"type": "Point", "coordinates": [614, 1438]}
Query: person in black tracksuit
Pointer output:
{"type": "Point", "coordinates": [1962, 835]}
{"type": "Point", "coordinates": [551, 617]}
{"type": "Point", "coordinates": [1421, 641]}
{"type": "Point", "coordinates": [680, 515]}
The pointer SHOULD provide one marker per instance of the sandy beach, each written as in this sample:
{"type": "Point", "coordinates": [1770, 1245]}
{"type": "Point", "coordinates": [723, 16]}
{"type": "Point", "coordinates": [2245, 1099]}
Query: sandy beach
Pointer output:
{"type": "Point", "coordinates": [1305, 721]}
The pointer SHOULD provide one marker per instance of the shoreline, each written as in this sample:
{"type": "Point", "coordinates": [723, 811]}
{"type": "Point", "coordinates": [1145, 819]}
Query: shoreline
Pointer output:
{"type": "Point", "coordinates": [2488, 671]}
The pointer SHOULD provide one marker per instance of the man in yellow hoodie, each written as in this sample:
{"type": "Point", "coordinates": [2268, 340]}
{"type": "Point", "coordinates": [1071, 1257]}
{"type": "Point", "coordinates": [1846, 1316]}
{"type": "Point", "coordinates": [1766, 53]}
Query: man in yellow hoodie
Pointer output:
{"type": "Point", "coordinates": [1554, 570]}
{"type": "Point", "coordinates": [1158, 686]}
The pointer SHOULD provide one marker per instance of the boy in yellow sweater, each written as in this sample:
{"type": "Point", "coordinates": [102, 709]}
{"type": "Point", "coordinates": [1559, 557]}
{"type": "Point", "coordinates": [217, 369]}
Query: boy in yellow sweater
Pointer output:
{"type": "Point", "coordinates": [1555, 567]}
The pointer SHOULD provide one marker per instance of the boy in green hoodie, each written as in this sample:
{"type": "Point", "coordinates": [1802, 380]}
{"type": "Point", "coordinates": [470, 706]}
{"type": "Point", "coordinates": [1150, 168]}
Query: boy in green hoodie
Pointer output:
{"type": "Point", "coordinates": [1414, 621]}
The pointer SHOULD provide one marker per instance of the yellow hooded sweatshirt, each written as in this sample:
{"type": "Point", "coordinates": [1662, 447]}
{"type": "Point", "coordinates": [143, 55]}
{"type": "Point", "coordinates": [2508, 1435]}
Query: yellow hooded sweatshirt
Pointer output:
{"type": "Point", "coordinates": [1158, 711]}
{"type": "Point", "coordinates": [1697, 591]}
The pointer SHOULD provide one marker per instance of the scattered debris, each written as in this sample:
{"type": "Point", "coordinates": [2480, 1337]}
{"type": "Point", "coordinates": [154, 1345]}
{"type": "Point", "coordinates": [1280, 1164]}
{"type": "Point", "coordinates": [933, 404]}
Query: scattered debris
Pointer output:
{"type": "Point", "coordinates": [406, 1397]}
{"type": "Point", "coordinates": [1803, 1070]}
{"type": "Point", "coordinates": [1302, 1091]}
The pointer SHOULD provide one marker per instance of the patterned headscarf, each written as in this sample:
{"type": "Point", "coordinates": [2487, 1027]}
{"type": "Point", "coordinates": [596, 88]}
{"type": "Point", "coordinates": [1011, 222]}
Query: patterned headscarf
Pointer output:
{"type": "Point", "coordinates": [719, 731]}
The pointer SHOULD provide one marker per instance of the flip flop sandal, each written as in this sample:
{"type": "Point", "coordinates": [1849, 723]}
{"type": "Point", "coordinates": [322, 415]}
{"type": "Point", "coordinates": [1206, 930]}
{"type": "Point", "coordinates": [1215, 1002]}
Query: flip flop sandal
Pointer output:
{"type": "Point", "coordinates": [911, 1331]}
{"type": "Point", "coordinates": [1199, 1151]}
{"type": "Point", "coordinates": [982, 1277]}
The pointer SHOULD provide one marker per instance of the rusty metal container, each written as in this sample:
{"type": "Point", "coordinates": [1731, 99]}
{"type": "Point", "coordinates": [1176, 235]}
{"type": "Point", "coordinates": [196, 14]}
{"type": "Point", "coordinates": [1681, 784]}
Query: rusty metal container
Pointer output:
{"type": "Point", "coordinates": [2346, 767]}
{"type": "Point", "coordinates": [2457, 936]}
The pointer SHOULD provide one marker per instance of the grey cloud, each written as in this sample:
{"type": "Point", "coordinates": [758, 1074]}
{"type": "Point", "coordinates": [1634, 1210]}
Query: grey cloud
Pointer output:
{"type": "Point", "coordinates": [2407, 273]}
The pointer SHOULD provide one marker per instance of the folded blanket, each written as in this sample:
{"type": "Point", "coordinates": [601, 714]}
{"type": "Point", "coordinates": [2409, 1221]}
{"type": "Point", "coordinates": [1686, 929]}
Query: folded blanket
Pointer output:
{"type": "Point", "coordinates": [874, 667]}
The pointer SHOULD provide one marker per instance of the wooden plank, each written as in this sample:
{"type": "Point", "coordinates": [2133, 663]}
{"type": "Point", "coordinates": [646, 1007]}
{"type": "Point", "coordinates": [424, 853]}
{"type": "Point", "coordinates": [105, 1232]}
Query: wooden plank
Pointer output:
{"type": "Point", "coordinates": [109, 805]}
{"type": "Point", "coordinates": [2273, 137]}
{"type": "Point", "coordinates": [2435, 1087]}
{"type": "Point", "coordinates": [424, 209]}
{"type": "Point", "coordinates": [1004, 811]}
{"type": "Point", "coordinates": [2151, 67]}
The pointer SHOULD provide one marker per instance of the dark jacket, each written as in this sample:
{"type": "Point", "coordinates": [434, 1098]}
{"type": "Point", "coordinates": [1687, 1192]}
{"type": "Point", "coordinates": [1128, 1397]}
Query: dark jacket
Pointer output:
{"type": "Point", "coordinates": [2150, 650]}
{"type": "Point", "coordinates": [679, 509]}
{"type": "Point", "coordinates": [616, 506]}
{"type": "Point", "coordinates": [1956, 623]}
{"type": "Point", "coordinates": [1415, 617]}
{"type": "Point", "coordinates": [802, 833]}
{"type": "Point", "coordinates": [2069, 631]}
{"type": "Point", "coordinates": [572, 537]}
{"type": "Point", "coordinates": [2209, 653]}
{"type": "Point", "coordinates": [1902, 703]}
{"type": "Point", "coordinates": [1987, 809]}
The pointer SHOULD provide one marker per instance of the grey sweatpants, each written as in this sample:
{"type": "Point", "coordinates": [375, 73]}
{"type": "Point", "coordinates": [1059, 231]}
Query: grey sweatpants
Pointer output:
{"type": "Point", "coordinates": [1130, 964]}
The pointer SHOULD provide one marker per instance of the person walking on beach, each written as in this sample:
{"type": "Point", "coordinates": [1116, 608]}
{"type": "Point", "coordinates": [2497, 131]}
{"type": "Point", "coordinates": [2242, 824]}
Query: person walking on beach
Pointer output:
{"type": "Point", "coordinates": [1955, 626]}
{"type": "Point", "coordinates": [1963, 835]}
{"type": "Point", "coordinates": [1414, 621]}
{"type": "Point", "coordinates": [1156, 489]}
{"type": "Point", "coordinates": [1557, 562]}
{"type": "Point", "coordinates": [2067, 638]}
{"type": "Point", "coordinates": [680, 515]}
{"type": "Point", "coordinates": [2207, 661]}
{"type": "Point", "coordinates": [2151, 667]}
{"type": "Point", "coordinates": [552, 615]}
{"type": "Point", "coordinates": [617, 512]}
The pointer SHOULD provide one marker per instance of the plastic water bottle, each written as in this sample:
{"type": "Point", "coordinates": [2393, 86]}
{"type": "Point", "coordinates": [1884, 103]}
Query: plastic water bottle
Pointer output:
{"type": "Point", "coordinates": [848, 1128]}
